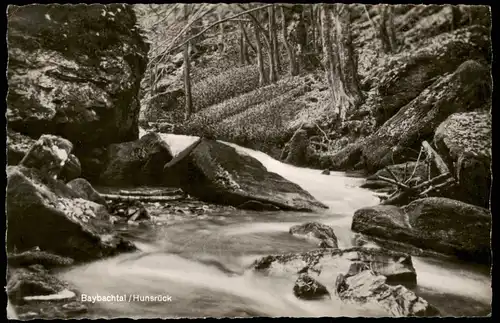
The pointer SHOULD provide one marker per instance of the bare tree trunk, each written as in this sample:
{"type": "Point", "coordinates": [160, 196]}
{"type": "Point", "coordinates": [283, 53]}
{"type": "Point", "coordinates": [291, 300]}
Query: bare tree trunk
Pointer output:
{"type": "Point", "coordinates": [273, 76]}
{"type": "Point", "coordinates": [221, 34]}
{"type": "Point", "coordinates": [313, 29]}
{"type": "Point", "coordinates": [349, 65]}
{"type": "Point", "coordinates": [187, 76]}
{"type": "Point", "coordinates": [386, 31]}
{"type": "Point", "coordinates": [274, 37]}
{"type": "Point", "coordinates": [391, 30]}
{"type": "Point", "coordinates": [331, 61]}
{"type": "Point", "coordinates": [243, 47]}
{"type": "Point", "coordinates": [289, 48]}
{"type": "Point", "coordinates": [260, 59]}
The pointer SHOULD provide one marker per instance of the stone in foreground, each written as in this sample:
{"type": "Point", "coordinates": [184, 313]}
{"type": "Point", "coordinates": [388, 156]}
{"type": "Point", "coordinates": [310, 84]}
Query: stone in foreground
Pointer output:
{"type": "Point", "coordinates": [308, 288]}
{"type": "Point", "coordinates": [320, 233]}
{"type": "Point", "coordinates": [324, 265]}
{"type": "Point", "coordinates": [444, 225]}
{"type": "Point", "coordinates": [44, 212]}
{"type": "Point", "coordinates": [217, 173]}
{"type": "Point", "coordinates": [367, 287]}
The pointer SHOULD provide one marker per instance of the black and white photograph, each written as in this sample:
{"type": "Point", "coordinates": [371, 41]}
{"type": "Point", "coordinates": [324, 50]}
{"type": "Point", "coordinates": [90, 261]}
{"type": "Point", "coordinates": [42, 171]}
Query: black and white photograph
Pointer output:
{"type": "Point", "coordinates": [248, 160]}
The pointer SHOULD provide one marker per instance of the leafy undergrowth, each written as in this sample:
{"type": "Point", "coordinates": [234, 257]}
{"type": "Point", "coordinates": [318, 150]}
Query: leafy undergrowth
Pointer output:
{"type": "Point", "coordinates": [227, 85]}
{"type": "Point", "coordinates": [267, 123]}
{"type": "Point", "coordinates": [233, 106]}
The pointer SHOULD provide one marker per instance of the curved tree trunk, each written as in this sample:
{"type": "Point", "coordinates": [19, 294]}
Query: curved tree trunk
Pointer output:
{"type": "Point", "coordinates": [274, 38]}
{"type": "Point", "coordinates": [289, 48]}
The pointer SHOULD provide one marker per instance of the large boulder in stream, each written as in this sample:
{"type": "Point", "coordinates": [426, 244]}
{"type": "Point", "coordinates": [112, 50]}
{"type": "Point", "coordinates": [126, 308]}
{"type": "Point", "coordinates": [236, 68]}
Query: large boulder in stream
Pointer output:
{"type": "Point", "coordinates": [44, 212]}
{"type": "Point", "coordinates": [75, 71]}
{"type": "Point", "coordinates": [464, 141]}
{"type": "Point", "coordinates": [443, 225]}
{"type": "Point", "coordinates": [319, 233]}
{"type": "Point", "coordinates": [215, 172]}
{"type": "Point", "coordinates": [323, 272]}
{"type": "Point", "coordinates": [135, 163]}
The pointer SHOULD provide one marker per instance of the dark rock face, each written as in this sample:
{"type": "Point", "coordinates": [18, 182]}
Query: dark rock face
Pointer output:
{"type": "Point", "coordinates": [75, 71]}
{"type": "Point", "coordinates": [464, 141]}
{"type": "Point", "coordinates": [85, 191]}
{"type": "Point", "coordinates": [308, 288]}
{"type": "Point", "coordinates": [318, 232]}
{"type": "Point", "coordinates": [215, 172]}
{"type": "Point", "coordinates": [38, 257]}
{"type": "Point", "coordinates": [404, 77]}
{"type": "Point", "coordinates": [137, 162]}
{"type": "Point", "coordinates": [444, 225]}
{"type": "Point", "coordinates": [464, 90]}
{"type": "Point", "coordinates": [72, 169]}
{"type": "Point", "coordinates": [258, 206]}
{"type": "Point", "coordinates": [295, 151]}
{"type": "Point", "coordinates": [17, 146]}
{"type": "Point", "coordinates": [368, 287]}
{"type": "Point", "coordinates": [44, 212]}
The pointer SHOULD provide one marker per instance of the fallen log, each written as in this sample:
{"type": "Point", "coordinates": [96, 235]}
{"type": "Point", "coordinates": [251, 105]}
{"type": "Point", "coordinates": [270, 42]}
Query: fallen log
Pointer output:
{"type": "Point", "coordinates": [151, 193]}
{"type": "Point", "coordinates": [388, 180]}
{"type": "Point", "coordinates": [126, 198]}
{"type": "Point", "coordinates": [434, 156]}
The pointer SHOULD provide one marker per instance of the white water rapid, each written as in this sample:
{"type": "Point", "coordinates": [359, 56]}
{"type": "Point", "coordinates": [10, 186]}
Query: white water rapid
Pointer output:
{"type": "Point", "coordinates": [201, 263]}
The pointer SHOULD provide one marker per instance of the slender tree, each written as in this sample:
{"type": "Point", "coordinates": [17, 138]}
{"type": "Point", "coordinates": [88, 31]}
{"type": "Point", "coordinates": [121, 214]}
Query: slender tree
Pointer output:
{"type": "Point", "coordinates": [221, 33]}
{"type": "Point", "coordinates": [274, 37]}
{"type": "Point", "coordinates": [386, 32]}
{"type": "Point", "coordinates": [260, 59]}
{"type": "Point", "coordinates": [456, 17]}
{"type": "Point", "coordinates": [293, 68]}
{"type": "Point", "coordinates": [187, 68]}
{"type": "Point", "coordinates": [243, 45]}
{"type": "Point", "coordinates": [273, 75]}
{"type": "Point", "coordinates": [313, 28]}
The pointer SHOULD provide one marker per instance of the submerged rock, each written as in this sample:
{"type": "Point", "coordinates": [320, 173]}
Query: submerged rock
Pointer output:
{"type": "Point", "coordinates": [318, 232]}
{"type": "Point", "coordinates": [367, 287]}
{"type": "Point", "coordinates": [44, 212]}
{"type": "Point", "coordinates": [325, 264]}
{"type": "Point", "coordinates": [217, 173]}
{"type": "Point", "coordinates": [137, 162]}
{"type": "Point", "coordinates": [308, 288]}
{"type": "Point", "coordinates": [377, 276]}
{"type": "Point", "coordinates": [444, 225]}
{"type": "Point", "coordinates": [69, 80]}
{"type": "Point", "coordinates": [464, 140]}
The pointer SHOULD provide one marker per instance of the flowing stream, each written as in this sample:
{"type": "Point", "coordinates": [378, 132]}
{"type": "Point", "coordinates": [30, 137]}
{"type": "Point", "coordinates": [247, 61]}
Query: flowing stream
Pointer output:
{"type": "Point", "coordinates": [200, 263]}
